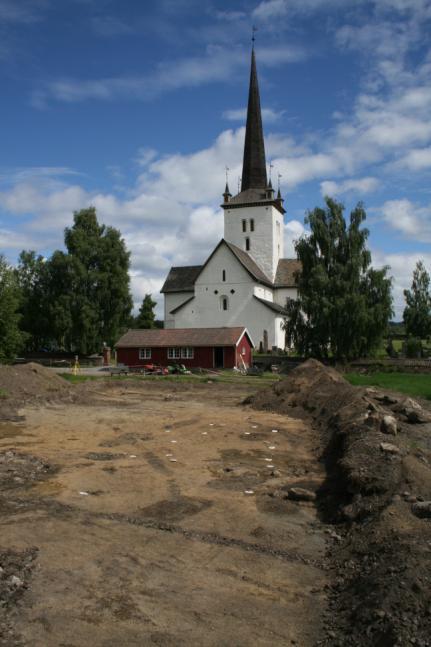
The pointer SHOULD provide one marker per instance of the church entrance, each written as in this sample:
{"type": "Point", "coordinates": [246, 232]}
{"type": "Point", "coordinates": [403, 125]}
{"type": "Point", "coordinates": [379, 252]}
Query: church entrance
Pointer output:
{"type": "Point", "coordinates": [218, 357]}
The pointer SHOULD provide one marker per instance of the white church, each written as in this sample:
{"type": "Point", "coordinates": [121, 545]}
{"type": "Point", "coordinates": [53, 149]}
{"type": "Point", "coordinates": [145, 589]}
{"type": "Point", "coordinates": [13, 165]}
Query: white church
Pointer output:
{"type": "Point", "coordinates": [246, 280]}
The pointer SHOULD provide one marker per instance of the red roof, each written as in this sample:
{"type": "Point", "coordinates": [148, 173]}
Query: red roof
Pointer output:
{"type": "Point", "coordinates": [169, 337]}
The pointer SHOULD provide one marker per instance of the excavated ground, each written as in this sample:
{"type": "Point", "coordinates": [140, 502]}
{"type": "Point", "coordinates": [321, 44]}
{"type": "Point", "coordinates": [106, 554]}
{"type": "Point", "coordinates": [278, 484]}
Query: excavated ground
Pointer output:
{"type": "Point", "coordinates": [376, 447]}
{"type": "Point", "coordinates": [137, 513]}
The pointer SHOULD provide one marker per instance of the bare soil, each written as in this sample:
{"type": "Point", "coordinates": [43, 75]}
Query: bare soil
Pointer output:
{"type": "Point", "coordinates": [136, 513]}
{"type": "Point", "coordinates": [377, 493]}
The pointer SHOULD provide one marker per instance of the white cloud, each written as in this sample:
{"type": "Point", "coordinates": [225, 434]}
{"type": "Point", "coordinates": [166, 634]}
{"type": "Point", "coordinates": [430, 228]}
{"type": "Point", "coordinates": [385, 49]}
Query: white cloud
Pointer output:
{"type": "Point", "coordinates": [293, 230]}
{"type": "Point", "coordinates": [359, 185]}
{"type": "Point", "coordinates": [218, 64]}
{"type": "Point", "coordinates": [401, 269]}
{"type": "Point", "coordinates": [412, 220]}
{"type": "Point", "coordinates": [417, 159]}
{"type": "Point", "coordinates": [269, 115]}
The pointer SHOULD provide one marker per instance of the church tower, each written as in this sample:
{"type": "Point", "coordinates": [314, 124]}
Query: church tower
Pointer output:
{"type": "Point", "coordinates": [253, 219]}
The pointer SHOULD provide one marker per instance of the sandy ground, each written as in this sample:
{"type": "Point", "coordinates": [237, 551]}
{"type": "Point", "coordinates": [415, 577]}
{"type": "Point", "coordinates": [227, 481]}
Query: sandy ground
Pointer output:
{"type": "Point", "coordinates": [144, 531]}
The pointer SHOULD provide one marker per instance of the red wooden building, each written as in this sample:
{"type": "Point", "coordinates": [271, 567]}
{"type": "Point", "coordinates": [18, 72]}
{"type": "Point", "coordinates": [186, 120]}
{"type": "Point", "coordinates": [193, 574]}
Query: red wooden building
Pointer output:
{"type": "Point", "coordinates": [193, 347]}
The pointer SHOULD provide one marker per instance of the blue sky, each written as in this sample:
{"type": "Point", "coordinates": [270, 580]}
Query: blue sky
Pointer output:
{"type": "Point", "coordinates": [138, 107]}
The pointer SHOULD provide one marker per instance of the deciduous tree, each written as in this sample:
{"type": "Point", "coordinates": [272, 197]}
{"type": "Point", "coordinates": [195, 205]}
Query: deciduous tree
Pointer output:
{"type": "Point", "coordinates": [11, 337]}
{"type": "Point", "coordinates": [417, 313]}
{"type": "Point", "coordinates": [343, 304]}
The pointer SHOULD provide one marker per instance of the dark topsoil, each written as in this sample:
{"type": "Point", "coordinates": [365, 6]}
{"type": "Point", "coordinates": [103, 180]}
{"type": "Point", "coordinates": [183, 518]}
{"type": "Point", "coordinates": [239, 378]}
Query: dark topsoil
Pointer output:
{"type": "Point", "coordinates": [376, 492]}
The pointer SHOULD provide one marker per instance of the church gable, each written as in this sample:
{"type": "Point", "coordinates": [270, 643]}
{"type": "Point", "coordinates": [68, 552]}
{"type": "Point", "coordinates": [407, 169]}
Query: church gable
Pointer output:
{"type": "Point", "coordinates": [221, 269]}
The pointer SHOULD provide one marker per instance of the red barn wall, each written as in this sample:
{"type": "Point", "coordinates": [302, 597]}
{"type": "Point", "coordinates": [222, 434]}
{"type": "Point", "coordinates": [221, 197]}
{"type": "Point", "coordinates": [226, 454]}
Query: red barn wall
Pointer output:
{"type": "Point", "coordinates": [248, 357]}
{"type": "Point", "coordinates": [203, 356]}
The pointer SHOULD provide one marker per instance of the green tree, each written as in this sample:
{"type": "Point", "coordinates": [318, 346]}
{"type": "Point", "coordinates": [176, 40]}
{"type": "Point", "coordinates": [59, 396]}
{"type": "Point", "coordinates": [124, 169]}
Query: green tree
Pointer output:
{"type": "Point", "coordinates": [417, 313]}
{"type": "Point", "coordinates": [11, 338]}
{"type": "Point", "coordinates": [32, 274]}
{"type": "Point", "coordinates": [146, 317]}
{"type": "Point", "coordinates": [343, 304]}
{"type": "Point", "coordinates": [99, 297]}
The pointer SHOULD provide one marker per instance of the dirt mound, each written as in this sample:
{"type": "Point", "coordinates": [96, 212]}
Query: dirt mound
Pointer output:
{"type": "Point", "coordinates": [376, 447]}
{"type": "Point", "coordinates": [28, 382]}
{"type": "Point", "coordinates": [361, 475]}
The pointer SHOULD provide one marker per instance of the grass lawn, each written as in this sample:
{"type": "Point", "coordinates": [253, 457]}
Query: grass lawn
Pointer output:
{"type": "Point", "coordinates": [413, 384]}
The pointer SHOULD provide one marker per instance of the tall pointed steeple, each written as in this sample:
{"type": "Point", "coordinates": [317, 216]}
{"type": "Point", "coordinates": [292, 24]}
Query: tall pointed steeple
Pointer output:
{"type": "Point", "coordinates": [254, 164]}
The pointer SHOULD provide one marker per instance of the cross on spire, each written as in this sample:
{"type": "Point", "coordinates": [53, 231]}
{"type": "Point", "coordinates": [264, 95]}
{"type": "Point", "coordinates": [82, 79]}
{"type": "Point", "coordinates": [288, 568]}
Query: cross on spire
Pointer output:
{"type": "Point", "coordinates": [253, 37]}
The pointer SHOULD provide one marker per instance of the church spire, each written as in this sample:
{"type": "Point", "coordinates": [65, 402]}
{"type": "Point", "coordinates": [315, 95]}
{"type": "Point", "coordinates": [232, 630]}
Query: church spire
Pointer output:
{"type": "Point", "coordinates": [254, 164]}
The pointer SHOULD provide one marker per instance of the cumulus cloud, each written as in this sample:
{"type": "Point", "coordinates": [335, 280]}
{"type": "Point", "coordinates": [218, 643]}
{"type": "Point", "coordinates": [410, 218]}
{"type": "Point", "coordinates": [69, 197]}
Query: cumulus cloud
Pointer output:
{"type": "Point", "coordinates": [401, 269]}
{"type": "Point", "coordinates": [408, 218]}
{"type": "Point", "coordinates": [293, 230]}
{"type": "Point", "coordinates": [359, 186]}
{"type": "Point", "coordinates": [217, 64]}
{"type": "Point", "coordinates": [416, 159]}
{"type": "Point", "coordinates": [269, 115]}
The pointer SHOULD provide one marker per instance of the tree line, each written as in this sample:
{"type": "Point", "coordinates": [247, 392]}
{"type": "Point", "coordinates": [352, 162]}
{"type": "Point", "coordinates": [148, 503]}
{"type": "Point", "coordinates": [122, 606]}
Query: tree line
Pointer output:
{"type": "Point", "coordinates": [79, 299]}
{"type": "Point", "coordinates": [74, 301]}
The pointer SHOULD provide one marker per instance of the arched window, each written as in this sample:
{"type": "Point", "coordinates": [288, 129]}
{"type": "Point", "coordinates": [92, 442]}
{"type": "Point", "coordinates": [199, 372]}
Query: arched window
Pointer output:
{"type": "Point", "coordinates": [247, 244]}
{"type": "Point", "coordinates": [224, 302]}
{"type": "Point", "coordinates": [244, 225]}
{"type": "Point", "coordinates": [252, 225]}
{"type": "Point", "coordinates": [223, 275]}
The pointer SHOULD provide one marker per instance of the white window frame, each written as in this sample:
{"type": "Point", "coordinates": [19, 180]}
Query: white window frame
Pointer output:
{"type": "Point", "coordinates": [188, 352]}
{"type": "Point", "coordinates": [145, 353]}
{"type": "Point", "coordinates": [174, 353]}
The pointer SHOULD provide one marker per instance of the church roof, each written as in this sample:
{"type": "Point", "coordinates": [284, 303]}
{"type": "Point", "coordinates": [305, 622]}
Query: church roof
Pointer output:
{"type": "Point", "coordinates": [248, 264]}
{"type": "Point", "coordinates": [285, 276]}
{"type": "Point", "coordinates": [254, 163]}
{"type": "Point", "coordinates": [168, 337]}
{"type": "Point", "coordinates": [181, 279]}
{"type": "Point", "coordinates": [271, 305]}
{"type": "Point", "coordinates": [184, 303]}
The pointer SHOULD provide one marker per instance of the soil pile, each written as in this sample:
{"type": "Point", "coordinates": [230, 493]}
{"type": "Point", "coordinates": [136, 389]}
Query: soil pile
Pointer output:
{"type": "Point", "coordinates": [26, 383]}
{"type": "Point", "coordinates": [376, 447]}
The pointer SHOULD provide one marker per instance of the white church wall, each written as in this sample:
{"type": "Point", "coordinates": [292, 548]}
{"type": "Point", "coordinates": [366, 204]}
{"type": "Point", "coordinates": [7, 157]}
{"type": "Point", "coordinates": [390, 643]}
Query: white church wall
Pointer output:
{"type": "Point", "coordinates": [172, 301]}
{"type": "Point", "coordinates": [263, 292]}
{"type": "Point", "coordinates": [266, 241]}
{"type": "Point", "coordinates": [282, 294]}
{"type": "Point", "coordinates": [206, 309]}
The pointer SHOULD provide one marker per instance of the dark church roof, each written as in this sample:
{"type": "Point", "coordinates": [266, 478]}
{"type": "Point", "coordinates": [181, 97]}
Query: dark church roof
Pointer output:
{"type": "Point", "coordinates": [255, 188]}
{"type": "Point", "coordinates": [254, 164]}
{"type": "Point", "coordinates": [275, 307]}
{"type": "Point", "coordinates": [181, 279]}
{"type": "Point", "coordinates": [284, 278]}
{"type": "Point", "coordinates": [286, 273]}
{"type": "Point", "coordinates": [248, 264]}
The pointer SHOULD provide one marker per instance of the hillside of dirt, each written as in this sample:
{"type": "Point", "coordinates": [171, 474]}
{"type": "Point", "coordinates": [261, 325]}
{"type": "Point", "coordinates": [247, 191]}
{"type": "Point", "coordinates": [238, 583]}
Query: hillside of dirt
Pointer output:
{"type": "Point", "coordinates": [376, 448]}
{"type": "Point", "coordinates": [28, 383]}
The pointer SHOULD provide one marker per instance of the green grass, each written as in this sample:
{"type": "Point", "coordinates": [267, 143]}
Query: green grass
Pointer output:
{"type": "Point", "coordinates": [418, 385]}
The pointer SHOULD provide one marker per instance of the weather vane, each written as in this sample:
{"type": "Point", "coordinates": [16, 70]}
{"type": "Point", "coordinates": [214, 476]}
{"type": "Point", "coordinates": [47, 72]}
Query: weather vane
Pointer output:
{"type": "Point", "coordinates": [271, 166]}
{"type": "Point", "coordinates": [253, 31]}
{"type": "Point", "coordinates": [279, 175]}
{"type": "Point", "coordinates": [227, 169]}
